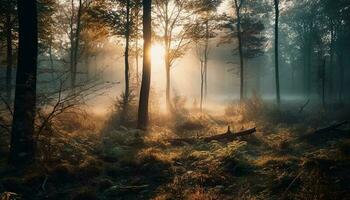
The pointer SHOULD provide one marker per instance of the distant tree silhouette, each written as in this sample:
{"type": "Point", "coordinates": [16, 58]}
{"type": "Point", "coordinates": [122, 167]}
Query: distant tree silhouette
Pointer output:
{"type": "Point", "coordinates": [171, 19]}
{"type": "Point", "coordinates": [202, 30]}
{"type": "Point", "coordinates": [246, 27]}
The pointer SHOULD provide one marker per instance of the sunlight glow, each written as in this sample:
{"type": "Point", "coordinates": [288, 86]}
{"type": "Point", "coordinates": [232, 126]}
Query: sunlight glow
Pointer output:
{"type": "Point", "coordinates": [158, 53]}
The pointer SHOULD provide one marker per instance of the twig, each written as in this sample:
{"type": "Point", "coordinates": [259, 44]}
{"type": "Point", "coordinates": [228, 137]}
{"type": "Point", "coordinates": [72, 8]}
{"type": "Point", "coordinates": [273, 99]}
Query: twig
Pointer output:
{"type": "Point", "coordinates": [220, 137]}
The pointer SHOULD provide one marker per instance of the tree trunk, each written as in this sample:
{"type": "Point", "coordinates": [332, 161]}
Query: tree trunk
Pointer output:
{"type": "Point", "coordinates": [323, 77]}
{"type": "Point", "coordinates": [278, 97]}
{"type": "Point", "coordinates": [342, 77]}
{"type": "Point", "coordinates": [206, 52]}
{"type": "Point", "coordinates": [167, 41]}
{"type": "Point", "coordinates": [22, 148]}
{"type": "Point", "coordinates": [75, 40]}
{"type": "Point", "coordinates": [137, 46]}
{"type": "Point", "coordinates": [51, 60]}
{"type": "Point", "coordinates": [240, 48]}
{"type": "Point", "coordinates": [126, 55]}
{"type": "Point", "coordinates": [331, 62]}
{"type": "Point", "coordinates": [202, 68]}
{"type": "Point", "coordinates": [146, 72]}
{"type": "Point", "coordinates": [71, 38]}
{"type": "Point", "coordinates": [9, 53]}
{"type": "Point", "coordinates": [308, 58]}
{"type": "Point", "coordinates": [167, 90]}
{"type": "Point", "coordinates": [304, 54]}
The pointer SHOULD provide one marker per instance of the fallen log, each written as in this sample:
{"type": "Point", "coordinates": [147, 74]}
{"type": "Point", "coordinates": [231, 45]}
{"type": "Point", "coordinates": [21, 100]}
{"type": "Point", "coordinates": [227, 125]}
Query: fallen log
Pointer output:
{"type": "Point", "coordinates": [332, 127]}
{"type": "Point", "coordinates": [323, 134]}
{"type": "Point", "coordinates": [130, 188]}
{"type": "Point", "coordinates": [228, 136]}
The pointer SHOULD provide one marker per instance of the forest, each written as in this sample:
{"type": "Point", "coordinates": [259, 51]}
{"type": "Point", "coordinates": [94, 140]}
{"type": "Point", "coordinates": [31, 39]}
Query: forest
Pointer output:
{"type": "Point", "coordinates": [174, 99]}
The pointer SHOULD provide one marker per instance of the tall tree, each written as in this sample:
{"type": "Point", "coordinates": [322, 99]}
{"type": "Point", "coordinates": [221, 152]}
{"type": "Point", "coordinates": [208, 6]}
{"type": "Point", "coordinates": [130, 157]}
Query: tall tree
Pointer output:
{"type": "Point", "coordinates": [303, 21]}
{"type": "Point", "coordinates": [126, 54]}
{"type": "Point", "coordinates": [8, 33]}
{"type": "Point", "coordinates": [146, 73]}
{"type": "Point", "coordinates": [22, 135]}
{"type": "Point", "coordinates": [277, 76]}
{"type": "Point", "coordinates": [202, 31]}
{"type": "Point", "coordinates": [75, 39]}
{"type": "Point", "coordinates": [121, 18]}
{"type": "Point", "coordinates": [172, 16]}
{"type": "Point", "coordinates": [136, 14]}
{"type": "Point", "coordinates": [246, 27]}
{"type": "Point", "coordinates": [238, 5]}
{"type": "Point", "coordinates": [9, 51]}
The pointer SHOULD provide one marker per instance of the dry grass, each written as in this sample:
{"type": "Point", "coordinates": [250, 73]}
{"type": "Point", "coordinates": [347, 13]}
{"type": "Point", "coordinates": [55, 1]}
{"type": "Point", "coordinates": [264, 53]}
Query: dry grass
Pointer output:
{"type": "Point", "coordinates": [91, 157]}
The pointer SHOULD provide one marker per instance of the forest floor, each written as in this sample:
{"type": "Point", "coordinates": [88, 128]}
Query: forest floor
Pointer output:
{"type": "Point", "coordinates": [284, 159]}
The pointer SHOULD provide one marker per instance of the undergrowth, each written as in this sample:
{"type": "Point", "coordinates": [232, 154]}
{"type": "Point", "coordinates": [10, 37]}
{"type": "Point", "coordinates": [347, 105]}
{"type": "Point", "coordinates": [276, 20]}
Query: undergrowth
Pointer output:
{"type": "Point", "coordinates": [94, 158]}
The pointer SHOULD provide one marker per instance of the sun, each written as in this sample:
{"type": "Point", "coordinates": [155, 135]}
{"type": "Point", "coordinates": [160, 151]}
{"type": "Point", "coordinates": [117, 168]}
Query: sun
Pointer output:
{"type": "Point", "coordinates": [158, 53]}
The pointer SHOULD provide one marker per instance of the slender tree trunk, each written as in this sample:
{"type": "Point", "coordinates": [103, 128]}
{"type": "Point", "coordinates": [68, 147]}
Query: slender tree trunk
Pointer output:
{"type": "Point", "coordinates": [9, 53]}
{"type": "Point", "coordinates": [202, 68]}
{"type": "Point", "coordinates": [76, 45]}
{"type": "Point", "coordinates": [71, 38]}
{"type": "Point", "coordinates": [303, 77]}
{"type": "Point", "coordinates": [309, 75]}
{"type": "Point", "coordinates": [240, 48]}
{"type": "Point", "coordinates": [126, 55]}
{"type": "Point", "coordinates": [137, 63]}
{"type": "Point", "coordinates": [331, 63]}
{"type": "Point", "coordinates": [167, 41]}
{"type": "Point", "coordinates": [323, 77]}
{"type": "Point", "coordinates": [278, 97]}
{"type": "Point", "coordinates": [51, 60]}
{"type": "Point", "coordinates": [146, 72]}
{"type": "Point", "coordinates": [342, 77]}
{"type": "Point", "coordinates": [206, 54]}
{"type": "Point", "coordinates": [22, 148]}
{"type": "Point", "coordinates": [137, 46]}
{"type": "Point", "coordinates": [167, 90]}
{"type": "Point", "coordinates": [308, 57]}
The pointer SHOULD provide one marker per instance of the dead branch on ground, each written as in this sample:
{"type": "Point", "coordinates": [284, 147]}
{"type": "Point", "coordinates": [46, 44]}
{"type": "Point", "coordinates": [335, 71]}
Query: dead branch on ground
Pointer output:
{"type": "Point", "coordinates": [228, 136]}
{"type": "Point", "coordinates": [333, 127]}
